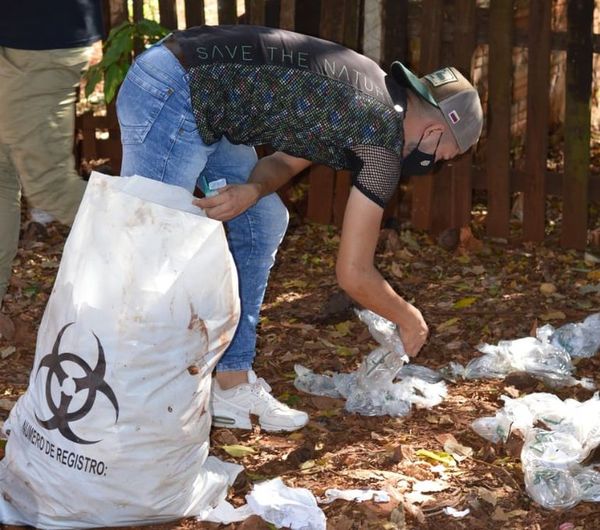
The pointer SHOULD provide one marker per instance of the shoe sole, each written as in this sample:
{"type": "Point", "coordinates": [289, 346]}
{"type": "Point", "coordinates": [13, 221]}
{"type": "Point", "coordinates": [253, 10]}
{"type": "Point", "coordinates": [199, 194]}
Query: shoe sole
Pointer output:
{"type": "Point", "coordinates": [245, 423]}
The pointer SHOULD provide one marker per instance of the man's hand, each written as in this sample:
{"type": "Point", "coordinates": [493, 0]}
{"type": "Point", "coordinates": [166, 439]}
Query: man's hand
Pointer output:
{"type": "Point", "coordinates": [413, 331]}
{"type": "Point", "coordinates": [230, 201]}
{"type": "Point", "coordinates": [268, 175]}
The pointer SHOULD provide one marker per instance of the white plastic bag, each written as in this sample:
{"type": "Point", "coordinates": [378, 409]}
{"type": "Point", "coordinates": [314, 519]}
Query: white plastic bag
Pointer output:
{"type": "Point", "coordinates": [114, 429]}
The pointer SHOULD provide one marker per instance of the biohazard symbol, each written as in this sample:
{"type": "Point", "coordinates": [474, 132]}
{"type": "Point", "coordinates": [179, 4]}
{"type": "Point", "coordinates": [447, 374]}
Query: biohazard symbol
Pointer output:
{"type": "Point", "coordinates": [93, 381]}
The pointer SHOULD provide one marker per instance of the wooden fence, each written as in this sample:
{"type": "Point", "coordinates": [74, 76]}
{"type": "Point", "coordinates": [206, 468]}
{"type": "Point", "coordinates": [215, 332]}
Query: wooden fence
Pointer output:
{"type": "Point", "coordinates": [426, 35]}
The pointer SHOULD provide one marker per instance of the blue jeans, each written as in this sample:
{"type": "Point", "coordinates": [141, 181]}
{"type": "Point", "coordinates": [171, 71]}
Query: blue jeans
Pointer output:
{"type": "Point", "coordinates": [160, 141]}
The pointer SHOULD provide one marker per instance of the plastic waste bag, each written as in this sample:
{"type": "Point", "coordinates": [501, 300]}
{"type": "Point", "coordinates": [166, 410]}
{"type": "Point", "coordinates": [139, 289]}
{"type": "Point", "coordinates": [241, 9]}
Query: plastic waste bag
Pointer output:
{"type": "Point", "coordinates": [536, 356]}
{"type": "Point", "coordinates": [294, 508]}
{"type": "Point", "coordinates": [113, 429]}
{"type": "Point", "coordinates": [373, 389]}
{"type": "Point", "coordinates": [581, 339]}
{"type": "Point", "coordinates": [552, 456]}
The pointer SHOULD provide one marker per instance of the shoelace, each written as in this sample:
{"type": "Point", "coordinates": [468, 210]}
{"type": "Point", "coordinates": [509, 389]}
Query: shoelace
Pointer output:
{"type": "Point", "coordinates": [262, 389]}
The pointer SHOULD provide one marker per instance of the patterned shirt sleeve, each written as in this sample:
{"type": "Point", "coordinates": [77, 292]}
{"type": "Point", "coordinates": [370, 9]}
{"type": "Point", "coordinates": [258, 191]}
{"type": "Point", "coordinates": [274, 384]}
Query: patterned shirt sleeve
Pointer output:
{"type": "Point", "coordinates": [376, 172]}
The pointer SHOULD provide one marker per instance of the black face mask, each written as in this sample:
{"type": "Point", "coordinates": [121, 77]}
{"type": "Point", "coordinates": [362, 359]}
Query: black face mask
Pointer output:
{"type": "Point", "coordinates": [417, 162]}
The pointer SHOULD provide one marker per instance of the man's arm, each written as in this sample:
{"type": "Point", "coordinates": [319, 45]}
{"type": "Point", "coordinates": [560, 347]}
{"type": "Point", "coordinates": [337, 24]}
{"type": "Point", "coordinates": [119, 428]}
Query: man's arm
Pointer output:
{"type": "Point", "coordinates": [268, 175]}
{"type": "Point", "coordinates": [357, 275]}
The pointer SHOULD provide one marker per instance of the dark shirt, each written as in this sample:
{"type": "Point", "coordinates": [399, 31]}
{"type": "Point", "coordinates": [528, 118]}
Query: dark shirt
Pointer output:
{"type": "Point", "coordinates": [305, 96]}
{"type": "Point", "coordinates": [50, 24]}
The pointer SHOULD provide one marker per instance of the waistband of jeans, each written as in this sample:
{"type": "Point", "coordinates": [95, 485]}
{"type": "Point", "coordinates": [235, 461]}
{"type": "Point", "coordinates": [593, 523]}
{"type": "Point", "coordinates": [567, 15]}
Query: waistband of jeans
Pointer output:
{"type": "Point", "coordinates": [161, 62]}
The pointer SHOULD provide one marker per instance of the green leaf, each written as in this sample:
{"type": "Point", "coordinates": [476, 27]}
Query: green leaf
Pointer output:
{"type": "Point", "coordinates": [447, 324]}
{"type": "Point", "coordinates": [121, 46]}
{"type": "Point", "coordinates": [117, 29]}
{"type": "Point", "coordinates": [464, 302]}
{"type": "Point", "coordinates": [345, 351]}
{"type": "Point", "coordinates": [343, 328]}
{"type": "Point", "coordinates": [238, 451]}
{"type": "Point", "coordinates": [112, 79]}
{"type": "Point", "coordinates": [290, 399]}
{"type": "Point", "coordinates": [31, 290]}
{"type": "Point", "coordinates": [150, 29]}
{"type": "Point", "coordinates": [93, 77]}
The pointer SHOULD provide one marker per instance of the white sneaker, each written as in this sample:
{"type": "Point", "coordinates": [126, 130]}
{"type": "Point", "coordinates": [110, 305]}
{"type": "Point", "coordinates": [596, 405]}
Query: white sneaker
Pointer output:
{"type": "Point", "coordinates": [232, 407]}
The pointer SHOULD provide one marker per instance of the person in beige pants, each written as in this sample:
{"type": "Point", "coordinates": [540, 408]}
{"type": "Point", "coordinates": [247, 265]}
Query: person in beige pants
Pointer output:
{"type": "Point", "coordinates": [39, 76]}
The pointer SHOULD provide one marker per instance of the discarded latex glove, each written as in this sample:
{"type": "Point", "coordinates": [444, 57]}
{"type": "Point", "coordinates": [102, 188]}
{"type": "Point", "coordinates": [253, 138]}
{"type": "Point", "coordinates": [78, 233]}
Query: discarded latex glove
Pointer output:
{"type": "Point", "coordinates": [333, 494]}
{"type": "Point", "coordinates": [294, 508]}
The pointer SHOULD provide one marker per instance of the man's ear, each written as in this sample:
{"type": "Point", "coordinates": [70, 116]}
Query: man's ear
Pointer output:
{"type": "Point", "coordinates": [434, 129]}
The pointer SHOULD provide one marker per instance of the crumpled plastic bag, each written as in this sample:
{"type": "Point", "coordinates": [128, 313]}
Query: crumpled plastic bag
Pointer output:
{"type": "Point", "coordinates": [294, 508]}
{"type": "Point", "coordinates": [552, 457]}
{"type": "Point", "coordinates": [543, 356]}
{"type": "Point", "coordinates": [372, 390]}
{"type": "Point", "coordinates": [579, 339]}
{"type": "Point", "coordinates": [356, 495]}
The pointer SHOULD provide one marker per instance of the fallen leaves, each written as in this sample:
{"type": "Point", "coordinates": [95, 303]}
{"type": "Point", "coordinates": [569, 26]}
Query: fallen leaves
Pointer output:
{"type": "Point", "coordinates": [7, 328]}
{"type": "Point", "coordinates": [238, 451]}
{"type": "Point", "coordinates": [464, 302]}
{"type": "Point", "coordinates": [6, 404]}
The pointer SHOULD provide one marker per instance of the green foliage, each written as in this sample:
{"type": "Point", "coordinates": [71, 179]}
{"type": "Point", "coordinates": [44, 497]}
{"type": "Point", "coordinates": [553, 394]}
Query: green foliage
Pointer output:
{"type": "Point", "coordinates": [118, 53]}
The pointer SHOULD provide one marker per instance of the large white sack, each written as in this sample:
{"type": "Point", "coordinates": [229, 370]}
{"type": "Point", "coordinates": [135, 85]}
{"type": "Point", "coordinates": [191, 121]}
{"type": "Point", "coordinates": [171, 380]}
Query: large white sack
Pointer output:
{"type": "Point", "coordinates": [114, 429]}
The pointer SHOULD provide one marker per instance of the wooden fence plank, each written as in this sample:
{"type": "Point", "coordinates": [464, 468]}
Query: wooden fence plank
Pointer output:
{"type": "Point", "coordinates": [554, 182]}
{"type": "Point", "coordinates": [577, 123]}
{"type": "Point", "coordinates": [431, 41]}
{"type": "Point", "coordinates": [343, 183]}
{"type": "Point", "coordinates": [227, 11]}
{"type": "Point", "coordinates": [498, 118]}
{"type": "Point", "coordinates": [256, 11]}
{"type": "Point", "coordinates": [287, 15]}
{"type": "Point", "coordinates": [117, 13]}
{"type": "Point", "coordinates": [331, 26]}
{"type": "Point", "coordinates": [395, 32]}
{"type": "Point", "coordinates": [463, 46]}
{"type": "Point", "coordinates": [536, 136]}
{"type": "Point", "coordinates": [138, 10]}
{"type": "Point", "coordinates": [352, 24]}
{"type": "Point", "coordinates": [321, 181]}
{"type": "Point", "coordinates": [167, 10]}
{"type": "Point", "coordinates": [322, 178]}
{"type": "Point", "coordinates": [194, 13]}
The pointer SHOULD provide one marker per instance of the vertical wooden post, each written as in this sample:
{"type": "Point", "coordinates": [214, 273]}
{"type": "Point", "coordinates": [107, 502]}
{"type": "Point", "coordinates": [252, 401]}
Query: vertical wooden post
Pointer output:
{"type": "Point", "coordinates": [287, 15]}
{"type": "Point", "coordinates": [538, 80]}
{"type": "Point", "coordinates": [321, 183]}
{"type": "Point", "coordinates": [343, 183]}
{"type": "Point", "coordinates": [167, 10]}
{"type": "Point", "coordinates": [256, 12]}
{"type": "Point", "coordinates": [394, 15]}
{"type": "Point", "coordinates": [332, 20]}
{"type": "Point", "coordinates": [227, 11]}
{"type": "Point", "coordinates": [194, 13]}
{"type": "Point", "coordinates": [461, 170]}
{"type": "Point", "coordinates": [138, 14]}
{"type": "Point", "coordinates": [352, 23]}
{"type": "Point", "coordinates": [118, 13]}
{"type": "Point", "coordinates": [498, 117]}
{"type": "Point", "coordinates": [321, 191]}
{"type": "Point", "coordinates": [431, 41]}
{"type": "Point", "coordinates": [138, 10]}
{"type": "Point", "coordinates": [577, 123]}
